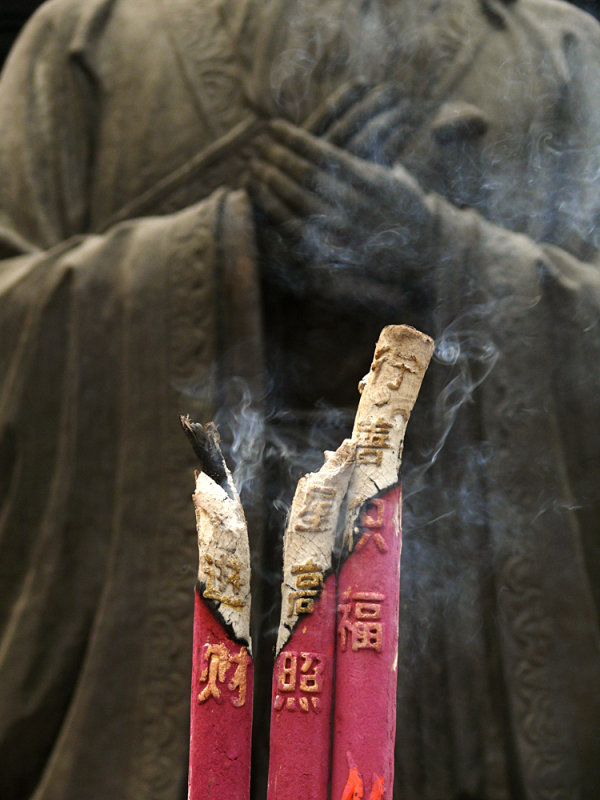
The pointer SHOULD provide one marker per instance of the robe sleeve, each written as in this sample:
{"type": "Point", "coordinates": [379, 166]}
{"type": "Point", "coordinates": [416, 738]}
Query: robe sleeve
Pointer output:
{"type": "Point", "coordinates": [104, 340]}
{"type": "Point", "coordinates": [515, 396]}
{"type": "Point", "coordinates": [518, 348]}
{"type": "Point", "coordinates": [48, 117]}
{"type": "Point", "coordinates": [494, 286]}
{"type": "Point", "coordinates": [529, 303]}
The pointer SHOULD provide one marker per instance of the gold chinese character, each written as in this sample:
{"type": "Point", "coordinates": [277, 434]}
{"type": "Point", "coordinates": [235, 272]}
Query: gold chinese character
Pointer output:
{"type": "Point", "coordinates": [215, 671]}
{"type": "Point", "coordinates": [302, 673]}
{"type": "Point", "coordinates": [373, 437]}
{"type": "Point", "coordinates": [308, 582]}
{"type": "Point", "coordinates": [358, 623]}
{"type": "Point", "coordinates": [219, 660]}
{"type": "Point", "coordinates": [318, 504]}
{"type": "Point", "coordinates": [401, 364]}
{"type": "Point", "coordinates": [222, 572]}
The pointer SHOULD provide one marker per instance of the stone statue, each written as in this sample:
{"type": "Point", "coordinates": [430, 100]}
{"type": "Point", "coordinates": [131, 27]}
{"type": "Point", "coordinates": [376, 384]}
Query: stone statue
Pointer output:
{"type": "Point", "coordinates": [212, 207]}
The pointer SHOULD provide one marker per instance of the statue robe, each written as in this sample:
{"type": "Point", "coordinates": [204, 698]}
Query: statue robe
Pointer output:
{"type": "Point", "coordinates": [129, 294]}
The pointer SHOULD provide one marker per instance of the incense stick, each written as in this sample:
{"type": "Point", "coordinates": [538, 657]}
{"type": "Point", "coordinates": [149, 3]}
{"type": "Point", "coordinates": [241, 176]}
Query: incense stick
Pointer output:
{"type": "Point", "coordinates": [222, 667]}
{"type": "Point", "coordinates": [364, 723]}
{"type": "Point", "coordinates": [303, 675]}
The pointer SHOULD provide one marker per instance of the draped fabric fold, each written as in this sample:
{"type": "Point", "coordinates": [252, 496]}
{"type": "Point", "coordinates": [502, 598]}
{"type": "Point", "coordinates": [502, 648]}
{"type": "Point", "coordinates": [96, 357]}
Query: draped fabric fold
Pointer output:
{"type": "Point", "coordinates": [104, 337]}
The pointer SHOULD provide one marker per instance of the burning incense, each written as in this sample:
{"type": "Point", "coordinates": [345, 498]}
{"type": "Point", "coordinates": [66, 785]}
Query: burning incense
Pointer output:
{"type": "Point", "coordinates": [346, 496]}
{"type": "Point", "coordinates": [343, 627]}
{"type": "Point", "coordinates": [222, 668]}
{"type": "Point", "coordinates": [366, 651]}
{"type": "Point", "coordinates": [303, 674]}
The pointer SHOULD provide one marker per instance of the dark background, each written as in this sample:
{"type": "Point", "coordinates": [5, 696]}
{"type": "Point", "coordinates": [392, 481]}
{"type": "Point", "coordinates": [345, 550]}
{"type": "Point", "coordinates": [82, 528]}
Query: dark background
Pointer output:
{"type": "Point", "coordinates": [14, 13]}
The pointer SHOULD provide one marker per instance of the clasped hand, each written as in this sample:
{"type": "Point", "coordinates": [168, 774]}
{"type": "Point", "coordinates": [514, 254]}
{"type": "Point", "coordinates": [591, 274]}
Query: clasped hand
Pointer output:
{"type": "Point", "coordinates": [321, 207]}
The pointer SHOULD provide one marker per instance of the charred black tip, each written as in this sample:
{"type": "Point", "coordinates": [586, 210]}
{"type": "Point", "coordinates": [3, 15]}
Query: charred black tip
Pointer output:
{"type": "Point", "coordinates": [205, 442]}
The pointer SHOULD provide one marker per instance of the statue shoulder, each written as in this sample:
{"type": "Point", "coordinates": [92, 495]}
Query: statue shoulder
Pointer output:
{"type": "Point", "coordinates": [558, 18]}
{"type": "Point", "coordinates": [61, 26]}
{"type": "Point", "coordinates": [566, 43]}
{"type": "Point", "coordinates": [68, 18]}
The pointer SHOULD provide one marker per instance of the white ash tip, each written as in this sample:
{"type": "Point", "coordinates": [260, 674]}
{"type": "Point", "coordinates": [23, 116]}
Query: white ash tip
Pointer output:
{"type": "Point", "coordinates": [224, 555]}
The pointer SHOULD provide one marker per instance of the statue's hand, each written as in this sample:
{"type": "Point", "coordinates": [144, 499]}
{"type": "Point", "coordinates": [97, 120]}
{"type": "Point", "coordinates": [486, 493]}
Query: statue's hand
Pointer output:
{"type": "Point", "coordinates": [372, 122]}
{"type": "Point", "coordinates": [332, 209]}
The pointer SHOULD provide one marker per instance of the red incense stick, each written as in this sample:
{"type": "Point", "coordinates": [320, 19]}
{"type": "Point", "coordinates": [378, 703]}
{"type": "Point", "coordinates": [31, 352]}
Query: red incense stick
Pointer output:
{"type": "Point", "coordinates": [369, 575]}
{"type": "Point", "coordinates": [367, 654]}
{"type": "Point", "coordinates": [303, 675]}
{"type": "Point", "coordinates": [301, 706]}
{"type": "Point", "coordinates": [222, 668]}
{"type": "Point", "coordinates": [221, 711]}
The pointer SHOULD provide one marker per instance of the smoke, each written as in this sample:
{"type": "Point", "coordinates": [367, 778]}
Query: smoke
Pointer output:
{"type": "Point", "coordinates": [472, 354]}
{"type": "Point", "coordinates": [241, 425]}
{"type": "Point", "coordinates": [326, 41]}
{"type": "Point", "coordinates": [251, 433]}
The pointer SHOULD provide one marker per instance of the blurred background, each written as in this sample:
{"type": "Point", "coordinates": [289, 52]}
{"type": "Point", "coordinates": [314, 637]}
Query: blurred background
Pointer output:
{"type": "Point", "coordinates": [14, 14]}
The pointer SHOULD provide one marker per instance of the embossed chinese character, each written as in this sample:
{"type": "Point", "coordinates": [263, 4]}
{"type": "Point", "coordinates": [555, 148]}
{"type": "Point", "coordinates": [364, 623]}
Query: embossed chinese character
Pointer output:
{"type": "Point", "coordinates": [316, 510]}
{"type": "Point", "coordinates": [360, 623]}
{"type": "Point", "coordinates": [372, 519]}
{"type": "Point", "coordinates": [218, 663]}
{"type": "Point", "coordinates": [217, 656]}
{"type": "Point", "coordinates": [373, 438]}
{"type": "Point", "coordinates": [223, 580]}
{"type": "Point", "coordinates": [308, 582]}
{"type": "Point", "coordinates": [299, 674]}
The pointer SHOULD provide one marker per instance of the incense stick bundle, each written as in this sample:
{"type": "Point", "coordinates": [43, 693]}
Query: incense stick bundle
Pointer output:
{"type": "Point", "coordinates": [345, 501]}
{"type": "Point", "coordinates": [369, 577]}
{"type": "Point", "coordinates": [336, 627]}
{"type": "Point", "coordinates": [222, 667]}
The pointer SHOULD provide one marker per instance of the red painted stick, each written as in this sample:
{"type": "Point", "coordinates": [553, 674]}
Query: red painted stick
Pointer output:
{"type": "Point", "coordinates": [367, 655]}
{"type": "Point", "coordinates": [369, 576]}
{"type": "Point", "coordinates": [221, 711]}
{"type": "Point", "coordinates": [222, 669]}
{"type": "Point", "coordinates": [303, 675]}
{"type": "Point", "coordinates": [302, 703]}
